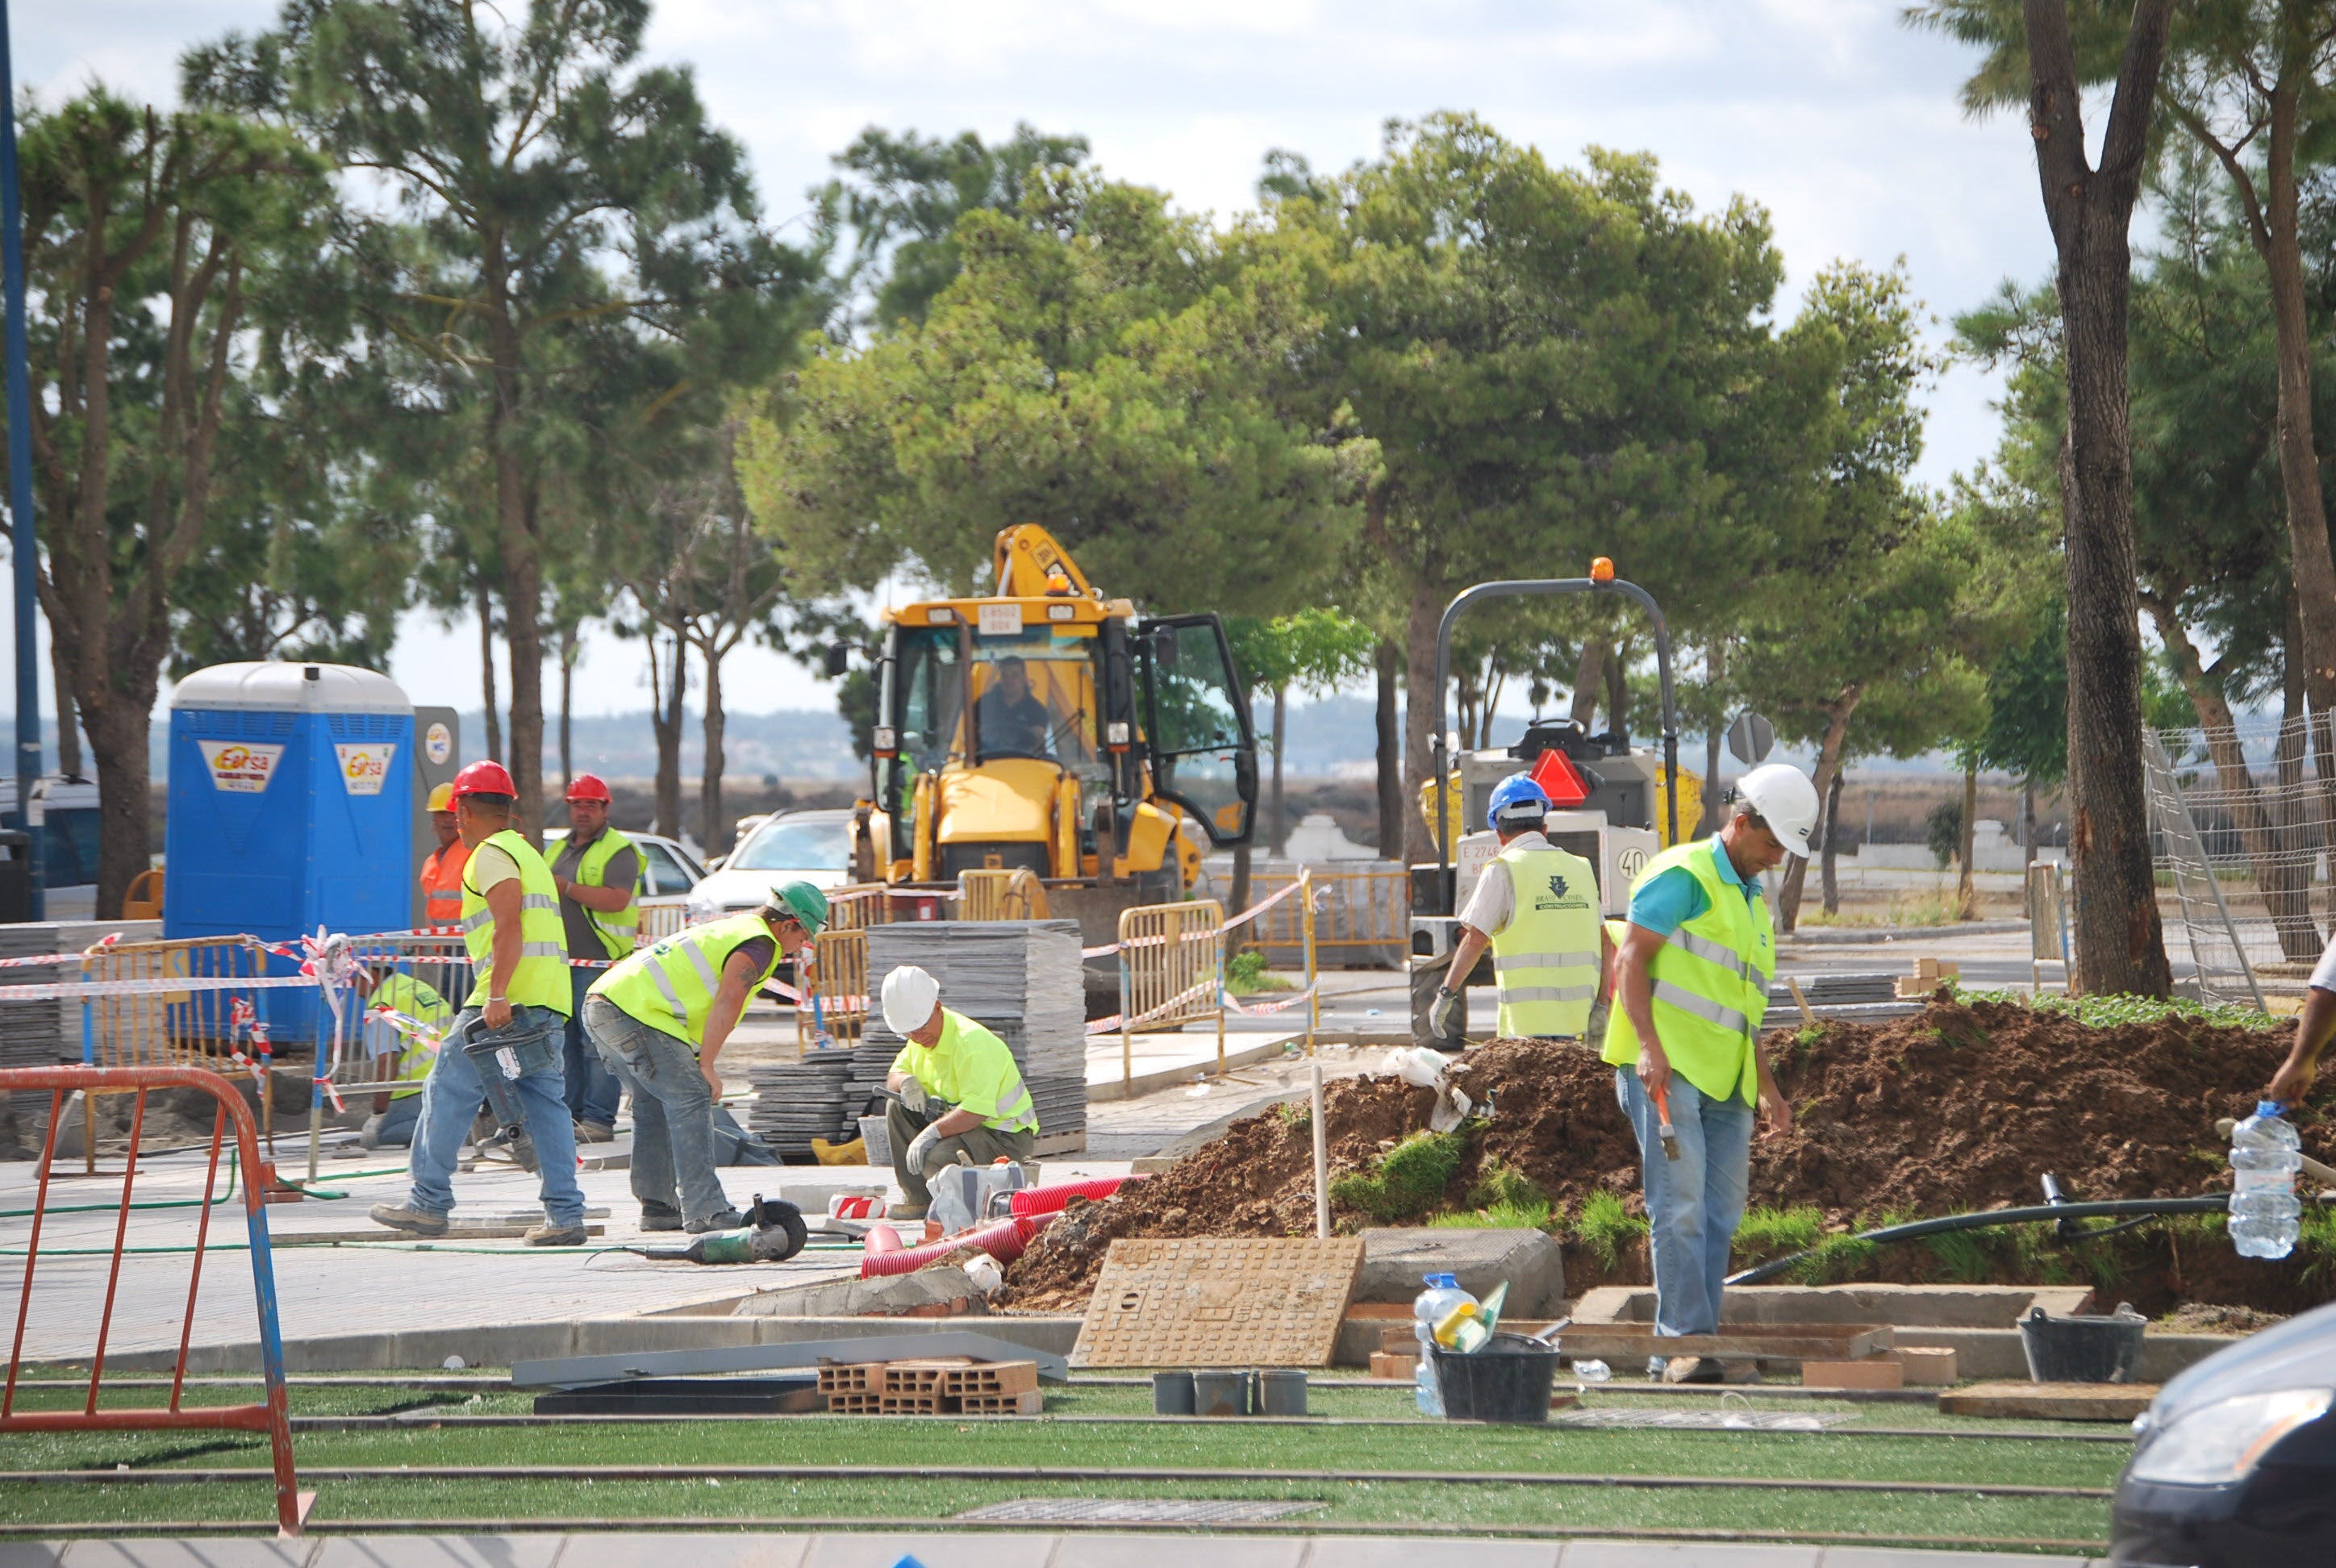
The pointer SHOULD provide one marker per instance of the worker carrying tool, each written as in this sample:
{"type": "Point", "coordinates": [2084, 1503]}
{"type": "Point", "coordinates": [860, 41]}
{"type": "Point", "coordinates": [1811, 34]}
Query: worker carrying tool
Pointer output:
{"type": "Point", "coordinates": [955, 1091]}
{"type": "Point", "coordinates": [1536, 907]}
{"type": "Point", "coordinates": [2314, 1026]}
{"type": "Point", "coordinates": [658, 1022]}
{"type": "Point", "coordinates": [386, 990]}
{"type": "Point", "coordinates": [1684, 1039]}
{"type": "Point", "coordinates": [507, 1036]}
{"type": "Point", "coordinates": [599, 874]}
{"type": "Point", "coordinates": [442, 869]}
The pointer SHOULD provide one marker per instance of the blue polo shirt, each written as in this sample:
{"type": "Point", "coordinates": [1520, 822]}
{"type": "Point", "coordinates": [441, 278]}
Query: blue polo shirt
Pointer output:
{"type": "Point", "coordinates": [1671, 899]}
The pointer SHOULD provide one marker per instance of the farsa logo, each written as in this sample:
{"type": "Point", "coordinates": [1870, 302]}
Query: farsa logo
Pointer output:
{"type": "Point", "coordinates": [366, 768]}
{"type": "Point", "coordinates": [239, 768]}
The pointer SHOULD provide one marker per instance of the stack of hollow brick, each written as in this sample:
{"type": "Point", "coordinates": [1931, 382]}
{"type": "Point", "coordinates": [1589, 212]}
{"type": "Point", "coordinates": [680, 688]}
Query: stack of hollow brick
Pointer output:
{"type": "Point", "coordinates": [944, 1386]}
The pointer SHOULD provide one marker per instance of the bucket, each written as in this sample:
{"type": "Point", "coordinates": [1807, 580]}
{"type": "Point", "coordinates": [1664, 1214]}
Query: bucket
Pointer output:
{"type": "Point", "coordinates": [2083, 1350]}
{"type": "Point", "coordinates": [877, 1137]}
{"type": "Point", "coordinates": [1507, 1380]}
{"type": "Point", "coordinates": [1216, 1393]}
{"type": "Point", "coordinates": [1171, 1393]}
{"type": "Point", "coordinates": [1281, 1391]}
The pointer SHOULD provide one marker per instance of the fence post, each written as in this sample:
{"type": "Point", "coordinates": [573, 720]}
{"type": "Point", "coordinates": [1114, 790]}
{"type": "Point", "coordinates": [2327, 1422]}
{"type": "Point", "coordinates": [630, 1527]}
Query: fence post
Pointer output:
{"type": "Point", "coordinates": [1314, 997]}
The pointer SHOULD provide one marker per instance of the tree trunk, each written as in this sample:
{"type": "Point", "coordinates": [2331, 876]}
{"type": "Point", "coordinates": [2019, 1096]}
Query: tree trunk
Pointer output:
{"type": "Point", "coordinates": [2027, 820]}
{"type": "Point", "coordinates": [1388, 753]}
{"type": "Point", "coordinates": [1420, 718]}
{"type": "Point", "coordinates": [2118, 940]}
{"type": "Point", "coordinates": [1966, 888]}
{"type": "Point", "coordinates": [666, 690]}
{"type": "Point", "coordinates": [486, 608]}
{"type": "Point", "coordinates": [1832, 845]}
{"type": "Point", "coordinates": [117, 739]}
{"type": "Point", "coordinates": [1588, 671]}
{"type": "Point", "coordinates": [1797, 870]}
{"type": "Point", "coordinates": [1618, 689]}
{"type": "Point", "coordinates": [709, 790]}
{"type": "Point", "coordinates": [567, 706]}
{"type": "Point", "coordinates": [1710, 822]}
{"type": "Point", "coordinates": [1279, 815]}
{"type": "Point", "coordinates": [1241, 937]}
{"type": "Point", "coordinates": [69, 761]}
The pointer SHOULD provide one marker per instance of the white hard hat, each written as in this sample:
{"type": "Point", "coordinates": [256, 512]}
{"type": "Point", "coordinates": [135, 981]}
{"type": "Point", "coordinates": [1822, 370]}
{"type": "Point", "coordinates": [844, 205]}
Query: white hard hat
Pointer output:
{"type": "Point", "coordinates": [1786, 800]}
{"type": "Point", "coordinates": [909, 997]}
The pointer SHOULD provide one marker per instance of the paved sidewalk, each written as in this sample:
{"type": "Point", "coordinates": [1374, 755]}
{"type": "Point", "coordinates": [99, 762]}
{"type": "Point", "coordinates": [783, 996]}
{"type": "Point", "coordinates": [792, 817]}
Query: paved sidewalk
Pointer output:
{"type": "Point", "coordinates": [705, 1549]}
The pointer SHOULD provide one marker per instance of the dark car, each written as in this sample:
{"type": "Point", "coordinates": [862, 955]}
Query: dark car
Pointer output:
{"type": "Point", "coordinates": [2237, 1462]}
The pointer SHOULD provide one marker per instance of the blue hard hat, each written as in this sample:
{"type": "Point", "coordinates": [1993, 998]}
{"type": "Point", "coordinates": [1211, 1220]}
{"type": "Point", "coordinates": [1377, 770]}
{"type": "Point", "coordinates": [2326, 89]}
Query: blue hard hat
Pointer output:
{"type": "Point", "coordinates": [1518, 801]}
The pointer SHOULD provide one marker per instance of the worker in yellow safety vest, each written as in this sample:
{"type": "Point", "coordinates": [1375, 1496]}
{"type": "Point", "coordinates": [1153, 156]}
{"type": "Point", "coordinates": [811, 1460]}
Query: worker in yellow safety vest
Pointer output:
{"type": "Point", "coordinates": [1685, 1042]}
{"type": "Point", "coordinates": [442, 869]}
{"type": "Point", "coordinates": [518, 1004]}
{"type": "Point", "coordinates": [1536, 907]}
{"type": "Point", "coordinates": [659, 1020]}
{"type": "Point", "coordinates": [389, 991]}
{"type": "Point", "coordinates": [597, 873]}
{"type": "Point", "coordinates": [956, 1090]}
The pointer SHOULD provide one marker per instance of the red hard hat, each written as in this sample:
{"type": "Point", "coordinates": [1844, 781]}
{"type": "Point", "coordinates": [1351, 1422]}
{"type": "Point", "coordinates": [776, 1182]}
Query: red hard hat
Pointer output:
{"type": "Point", "coordinates": [588, 787]}
{"type": "Point", "coordinates": [487, 777]}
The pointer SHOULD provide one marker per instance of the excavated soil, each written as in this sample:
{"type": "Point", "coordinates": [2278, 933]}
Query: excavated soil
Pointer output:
{"type": "Point", "coordinates": [1958, 1108]}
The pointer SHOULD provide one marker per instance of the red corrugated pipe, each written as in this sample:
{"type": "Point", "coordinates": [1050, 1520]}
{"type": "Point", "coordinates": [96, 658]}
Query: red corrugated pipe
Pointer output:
{"type": "Point", "coordinates": [1003, 1241]}
{"type": "Point", "coordinates": [1053, 1199]}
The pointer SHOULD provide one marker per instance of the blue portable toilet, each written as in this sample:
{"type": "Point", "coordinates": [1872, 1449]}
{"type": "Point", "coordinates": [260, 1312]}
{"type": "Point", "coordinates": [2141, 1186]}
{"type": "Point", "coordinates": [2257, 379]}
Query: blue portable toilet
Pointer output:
{"type": "Point", "coordinates": [291, 808]}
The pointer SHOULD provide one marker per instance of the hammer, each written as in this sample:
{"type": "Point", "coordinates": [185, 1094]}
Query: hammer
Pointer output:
{"type": "Point", "coordinates": [1665, 1132]}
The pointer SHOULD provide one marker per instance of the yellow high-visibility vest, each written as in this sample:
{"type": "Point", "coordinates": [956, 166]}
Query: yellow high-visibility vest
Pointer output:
{"type": "Point", "coordinates": [540, 979]}
{"type": "Point", "coordinates": [670, 985]}
{"type": "Point", "coordinates": [1710, 982]}
{"type": "Point", "coordinates": [1545, 959]}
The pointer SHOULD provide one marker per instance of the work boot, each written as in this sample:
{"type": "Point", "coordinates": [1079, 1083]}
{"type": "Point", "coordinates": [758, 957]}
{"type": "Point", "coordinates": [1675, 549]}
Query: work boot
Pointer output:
{"type": "Point", "coordinates": [1693, 1369]}
{"type": "Point", "coordinates": [905, 1211]}
{"type": "Point", "coordinates": [595, 1133]}
{"type": "Point", "coordinates": [398, 1217]}
{"type": "Point", "coordinates": [369, 1136]}
{"type": "Point", "coordinates": [660, 1217]}
{"type": "Point", "coordinates": [549, 1235]}
{"type": "Point", "coordinates": [727, 1220]}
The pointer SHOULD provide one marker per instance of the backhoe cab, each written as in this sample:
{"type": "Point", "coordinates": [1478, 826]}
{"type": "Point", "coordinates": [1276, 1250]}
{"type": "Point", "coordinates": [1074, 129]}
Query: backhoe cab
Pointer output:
{"type": "Point", "coordinates": [1048, 728]}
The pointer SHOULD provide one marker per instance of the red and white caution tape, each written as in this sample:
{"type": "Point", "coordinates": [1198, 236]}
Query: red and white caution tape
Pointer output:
{"type": "Point", "coordinates": [1279, 1005]}
{"type": "Point", "coordinates": [68, 988]}
{"type": "Point", "coordinates": [1246, 915]}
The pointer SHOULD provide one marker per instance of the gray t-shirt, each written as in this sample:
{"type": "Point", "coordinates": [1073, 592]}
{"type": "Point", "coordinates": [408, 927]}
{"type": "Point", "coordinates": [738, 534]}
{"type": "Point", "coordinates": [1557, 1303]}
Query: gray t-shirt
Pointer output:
{"type": "Point", "coordinates": [623, 870]}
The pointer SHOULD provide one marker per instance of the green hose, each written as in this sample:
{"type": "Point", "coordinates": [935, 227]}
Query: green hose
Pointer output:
{"type": "Point", "coordinates": [116, 1208]}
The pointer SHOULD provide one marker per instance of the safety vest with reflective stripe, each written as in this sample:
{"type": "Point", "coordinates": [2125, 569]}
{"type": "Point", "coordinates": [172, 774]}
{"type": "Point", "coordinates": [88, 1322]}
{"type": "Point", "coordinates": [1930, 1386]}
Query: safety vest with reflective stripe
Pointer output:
{"type": "Point", "coordinates": [615, 929]}
{"type": "Point", "coordinates": [403, 994]}
{"type": "Point", "coordinates": [670, 985]}
{"type": "Point", "coordinates": [442, 884]}
{"type": "Point", "coordinates": [1545, 959]}
{"type": "Point", "coordinates": [974, 1070]}
{"type": "Point", "coordinates": [1710, 982]}
{"type": "Point", "coordinates": [540, 979]}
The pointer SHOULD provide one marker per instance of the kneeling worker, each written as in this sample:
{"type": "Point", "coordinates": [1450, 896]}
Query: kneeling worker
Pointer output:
{"type": "Point", "coordinates": [1536, 907]}
{"type": "Point", "coordinates": [658, 1021]}
{"type": "Point", "coordinates": [957, 1087]}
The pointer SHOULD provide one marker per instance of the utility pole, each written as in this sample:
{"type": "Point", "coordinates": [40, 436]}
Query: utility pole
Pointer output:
{"type": "Point", "coordinates": [22, 550]}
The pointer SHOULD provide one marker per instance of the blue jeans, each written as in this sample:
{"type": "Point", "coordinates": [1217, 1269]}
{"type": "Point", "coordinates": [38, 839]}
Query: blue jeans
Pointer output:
{"type": "Point", "coordinates": [1693, 1203]}
{"type": "Point", "coordinates": [449, 1101]}
{"type": "Point", "coordinates": [592, 1089]}
{"type": "Point", "coordinates": [673, 1112]}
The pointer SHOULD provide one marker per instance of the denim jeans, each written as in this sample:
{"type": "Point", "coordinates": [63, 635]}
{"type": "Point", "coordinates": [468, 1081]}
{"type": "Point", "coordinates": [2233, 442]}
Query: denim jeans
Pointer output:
{"type": "Point", "coordinates": [592, 1089]}
{"type": "Point", "coordinates": [1693, 1203]}
{"type": "Point", "coordinates": [449, 1101]}
{"type": "Point", "coordinates": [673, 1112]}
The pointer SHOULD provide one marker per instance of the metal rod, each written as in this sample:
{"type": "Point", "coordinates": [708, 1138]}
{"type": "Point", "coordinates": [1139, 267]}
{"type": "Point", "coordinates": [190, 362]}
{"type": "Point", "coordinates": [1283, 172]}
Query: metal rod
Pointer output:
{"type": "Point", "coordinates": [1321, 1162]}
{"type": "Point", "coordinates": [23, 547]}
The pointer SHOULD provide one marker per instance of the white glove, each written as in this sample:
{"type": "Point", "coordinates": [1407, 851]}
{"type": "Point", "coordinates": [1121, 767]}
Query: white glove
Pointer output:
{"type": "Point", "coordinates": [1439, 1014]}
{"type": "Point", "coordinates": [920, 1149]}
{"type": "Point", "coordinates": [912, 1094]}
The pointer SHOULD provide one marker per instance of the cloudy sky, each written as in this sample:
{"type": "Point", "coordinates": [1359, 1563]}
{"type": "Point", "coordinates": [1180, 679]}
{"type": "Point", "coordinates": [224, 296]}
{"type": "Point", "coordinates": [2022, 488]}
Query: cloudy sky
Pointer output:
{"type": "Point", "coordinates": [1828, 112]}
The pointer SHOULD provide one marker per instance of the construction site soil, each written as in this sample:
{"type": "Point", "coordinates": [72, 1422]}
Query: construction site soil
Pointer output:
{"type": "Point", "coordinates": [1960, 1107]}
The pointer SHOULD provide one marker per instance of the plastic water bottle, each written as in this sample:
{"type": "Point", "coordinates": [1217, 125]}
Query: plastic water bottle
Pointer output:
{"type": "Point", "coordinates": [2265, 1155]}
{"type": "Point", "coordinates": [1592, 1371]}
{"type": "Point", "coordinates": [1431, 1307]}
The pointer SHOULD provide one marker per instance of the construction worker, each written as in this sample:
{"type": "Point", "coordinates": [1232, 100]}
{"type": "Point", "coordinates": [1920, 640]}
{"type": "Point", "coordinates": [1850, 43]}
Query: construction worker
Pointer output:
{"type": "Point", "coordinates": [599, 874]}
{"type": "Point", "coordinates": [956, 1087]}
{"type": "Point", "coordinates": [511, 925]}
{"type": "Point", "coordinates": [1536, 907]}
{"type": "Point", "coordinates": [387, 989]}
{"type": "Point", "coordinates": [1684, 1039]}
{"type": "Point", "coordinates": [2314, 1025]}
{"type": "Point", "coordinates": [442, 869]}
{"type": "Point", "coordinates": [658, 1022]}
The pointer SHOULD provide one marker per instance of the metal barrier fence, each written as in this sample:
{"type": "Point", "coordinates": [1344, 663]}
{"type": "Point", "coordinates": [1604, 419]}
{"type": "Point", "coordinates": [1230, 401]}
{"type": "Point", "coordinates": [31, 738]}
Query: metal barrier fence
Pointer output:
{"type": "Point", "coordinates": [165, 1027]}
{"type": "Point", "coordinates": [1171, 972]}
{"type": "Point", "coordinates": [272, 1416]}
{"type": "Point", "coordinates": [1002, 895]}
{"type": "Point", "coordinates": [834, 989]}
{"type": "Point", "coordinates": [1362, 917]}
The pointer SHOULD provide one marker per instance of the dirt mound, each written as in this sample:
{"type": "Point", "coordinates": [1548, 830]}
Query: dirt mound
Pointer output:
{"type": "Point", "coordinates": [1958, 1108]}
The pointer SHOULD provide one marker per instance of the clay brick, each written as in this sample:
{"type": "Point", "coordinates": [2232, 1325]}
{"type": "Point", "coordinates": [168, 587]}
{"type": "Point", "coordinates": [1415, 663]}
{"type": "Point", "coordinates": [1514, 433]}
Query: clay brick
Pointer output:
{"type": "Point", "coordinates": [1400, 1368]}
{"type": "Point", "coordinates": [1875, 1372]}
{"type": "Point", "coordinates": [1926, 1366]}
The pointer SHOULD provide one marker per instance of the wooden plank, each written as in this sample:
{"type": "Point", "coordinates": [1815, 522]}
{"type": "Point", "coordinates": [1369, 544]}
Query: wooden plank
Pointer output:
{"type": "Point", "coordinates": [2050, 1401]}
{"type": "Point", "coordinates": [1053, 1145]}
{"type": "Point", "coordinates": [1219, 1301]}
{"type": "Point", "coordinates": [1775, 1342]}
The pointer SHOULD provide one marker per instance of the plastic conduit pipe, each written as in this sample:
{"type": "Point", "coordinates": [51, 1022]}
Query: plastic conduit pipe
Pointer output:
{"type": "Point", "coordinates": [1003, 1241]}
{"type": "Point", "coordinates": [1054, 1199]}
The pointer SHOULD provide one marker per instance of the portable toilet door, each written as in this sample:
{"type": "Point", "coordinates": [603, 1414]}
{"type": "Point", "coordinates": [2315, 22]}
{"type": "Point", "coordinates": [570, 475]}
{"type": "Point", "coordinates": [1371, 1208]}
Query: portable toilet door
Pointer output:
{"type": "Point", "coordinates": [291, 809]}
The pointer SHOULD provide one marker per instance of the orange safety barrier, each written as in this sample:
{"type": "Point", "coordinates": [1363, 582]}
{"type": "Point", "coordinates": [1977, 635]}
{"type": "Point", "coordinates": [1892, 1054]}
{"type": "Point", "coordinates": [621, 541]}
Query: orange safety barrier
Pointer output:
{"type": "Point", "coordinates": [271, 1417]}
{"type": "Point", "coordinates": [1171, 972]}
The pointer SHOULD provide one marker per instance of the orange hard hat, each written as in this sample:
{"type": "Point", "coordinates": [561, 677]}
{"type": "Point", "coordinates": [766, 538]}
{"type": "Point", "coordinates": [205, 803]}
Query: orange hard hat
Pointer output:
{"type": "Point", "coordinates": [486, 777]}
{"type": "Point", "coordinates": [588, 787]}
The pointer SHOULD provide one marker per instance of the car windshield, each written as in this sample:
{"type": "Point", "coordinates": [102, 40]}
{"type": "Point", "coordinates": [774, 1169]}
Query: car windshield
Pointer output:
{"type": "Point", "coordinates": [785, 846]}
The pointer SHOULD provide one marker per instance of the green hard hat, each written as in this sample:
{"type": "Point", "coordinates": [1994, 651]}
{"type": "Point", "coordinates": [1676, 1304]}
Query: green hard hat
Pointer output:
{"type": "Point", "coordinates": [802, 902]}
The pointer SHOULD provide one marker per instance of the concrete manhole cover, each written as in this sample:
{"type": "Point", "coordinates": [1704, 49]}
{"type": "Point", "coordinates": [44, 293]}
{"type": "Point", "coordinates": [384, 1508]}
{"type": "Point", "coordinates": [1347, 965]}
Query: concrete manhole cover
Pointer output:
{"type": "Point", "coordinates": [1132, 1511]}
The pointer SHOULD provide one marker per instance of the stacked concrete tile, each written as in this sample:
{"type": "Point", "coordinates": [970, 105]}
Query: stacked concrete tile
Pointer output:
{"type": "Point", "coordinates": [31, 1033]}
{"type": "Point", "coordinates": [1022, 980]}
{"type": "Point", "coordinates": [795, 1102]}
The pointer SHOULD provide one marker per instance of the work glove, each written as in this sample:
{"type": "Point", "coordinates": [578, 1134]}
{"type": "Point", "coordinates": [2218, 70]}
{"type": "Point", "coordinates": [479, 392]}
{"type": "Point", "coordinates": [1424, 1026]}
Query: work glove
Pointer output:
{"type": "Point", "coordinates": [1440, 1012]}
{"type": "Point", "coordinates": [912, 1094]}
{"type": "Point", "coordinates": [920, 1149]}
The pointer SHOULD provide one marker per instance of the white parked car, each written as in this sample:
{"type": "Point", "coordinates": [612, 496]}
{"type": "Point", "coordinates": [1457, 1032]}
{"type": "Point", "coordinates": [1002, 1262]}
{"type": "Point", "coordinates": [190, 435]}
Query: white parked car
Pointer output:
{"type": "Point", "coordinates": [812, 846]}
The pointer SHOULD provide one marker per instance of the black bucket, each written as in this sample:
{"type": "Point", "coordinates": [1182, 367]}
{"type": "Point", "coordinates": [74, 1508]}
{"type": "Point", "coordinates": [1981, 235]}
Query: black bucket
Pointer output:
{"type": "Point", "coordinates": [1281, 1391]}
{"type": "Point", "coordinates": [1507, 1380]}
{"type": "Point", "coordinates": [2083, 1350]}
{"type": "Point", "coordinates": [1217, 1393]}
{"type": "Point", "coordinates": [1171, 1393]}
